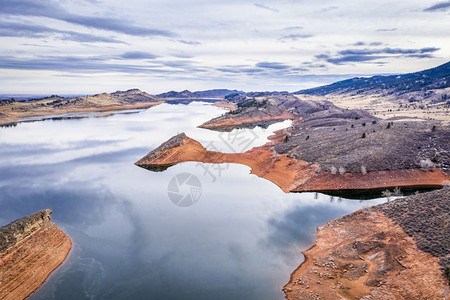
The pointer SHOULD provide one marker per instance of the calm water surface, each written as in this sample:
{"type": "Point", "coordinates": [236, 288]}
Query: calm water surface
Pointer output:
{"type": "Point", "coordinates": [241, 240]}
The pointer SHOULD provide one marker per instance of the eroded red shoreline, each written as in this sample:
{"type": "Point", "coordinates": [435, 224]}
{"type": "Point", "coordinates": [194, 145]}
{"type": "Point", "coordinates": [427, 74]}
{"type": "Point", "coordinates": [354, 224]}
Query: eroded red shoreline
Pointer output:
{"type": "Point", "coordinates": [293, 175]}
{"type": "Point", "coordinates": [32, 248]}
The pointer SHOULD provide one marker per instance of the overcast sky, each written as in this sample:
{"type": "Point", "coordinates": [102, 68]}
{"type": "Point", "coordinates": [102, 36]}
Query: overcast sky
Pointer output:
{"type": "Point", "coordinates": [91, 46]}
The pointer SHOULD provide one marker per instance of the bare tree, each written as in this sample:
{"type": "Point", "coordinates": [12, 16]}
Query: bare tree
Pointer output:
{"type": "Point", "coordinates": [387, 194]}
{"type": "Point", "coordinates": [397, 192]}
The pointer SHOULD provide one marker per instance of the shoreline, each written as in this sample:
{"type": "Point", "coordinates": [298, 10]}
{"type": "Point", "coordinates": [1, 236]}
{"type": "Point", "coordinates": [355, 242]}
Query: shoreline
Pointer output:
{"type": "Point", "coordinates": [368, 253]}
{"type": "Point", "coordinates": [31, 249]}
{"type": "Point", "coordinates": [6, 120]}
{"type": "Point", "coordinates": [291, 175]}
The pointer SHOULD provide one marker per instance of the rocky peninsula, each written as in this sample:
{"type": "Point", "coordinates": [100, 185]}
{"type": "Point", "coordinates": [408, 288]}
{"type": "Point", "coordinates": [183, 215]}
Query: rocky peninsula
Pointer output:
{"type": "Point", "coordinates": [290, 174]}
{"type": "Point", "coordinates": [31, 248]}
{"type": "Point", "coordinates": [331, 148]}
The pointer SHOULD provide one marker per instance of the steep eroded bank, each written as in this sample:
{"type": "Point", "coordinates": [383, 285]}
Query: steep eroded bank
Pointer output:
{"type": "Point", "coordinates": [31, 248]}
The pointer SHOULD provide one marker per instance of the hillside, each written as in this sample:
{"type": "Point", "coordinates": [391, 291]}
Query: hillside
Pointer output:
{"type": "Point", "coordinates": [216, 93]}
{"type": "Point", "coordinates": [11, 110]}
{"type": "Point", "coordinates": [431, 79]}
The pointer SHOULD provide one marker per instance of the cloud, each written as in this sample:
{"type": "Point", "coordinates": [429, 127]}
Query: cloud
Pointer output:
{"type": "Point", "coordinates": [103, 64]}
{"type": "Point", "coordinates": [296, 228]}
{"type": "Point", "coordinates": [368, 55]}
{"type": "Point", "coordinates": [72, 64]}
{"type": "Point", "coordinates": [54, 11]}
{"type": "Point", "coordinates": [138, 55]}
{"type": "Point", "coordinates": [387, 51]}
{"type": "Point", "coordinates": [192, 43]}
{"type": "Point", "coordinates": [357, 44]}
{"type": "Point", "coordinates": [14, 29]}
{"type": "Point", "coordinates": [353, 58]}
{"type": "Point", "coordinates": [294, 37]}
{"type": "Point", "coordinates": [386, 29]}
{"type": "Point", "coordinates": [266, 7]}
{"type": "Point", "coordinates": [420, 56]}
{"type": "Point", "coordinates": [439, 6]}
{"type": "Point", "coordinates": [239, 70]}
{"type": "Point", "coordinates": [272, 65]}
{"type": "Point", "coordinates": [293, 28]}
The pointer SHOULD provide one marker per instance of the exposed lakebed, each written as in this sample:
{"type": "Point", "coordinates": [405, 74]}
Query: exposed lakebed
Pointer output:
{"type": "Point", "coordinates": [241, 240]}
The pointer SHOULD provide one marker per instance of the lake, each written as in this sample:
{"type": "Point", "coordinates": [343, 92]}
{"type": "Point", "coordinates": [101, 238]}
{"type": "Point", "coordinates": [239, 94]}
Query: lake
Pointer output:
{"type": "Point", "coordinates": [241, 238]}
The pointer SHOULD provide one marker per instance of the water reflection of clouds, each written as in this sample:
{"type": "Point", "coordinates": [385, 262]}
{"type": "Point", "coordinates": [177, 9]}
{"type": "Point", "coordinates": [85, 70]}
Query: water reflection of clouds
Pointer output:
{"type": "Point", "coordinates": [131, 238]}
{"type": "Point", "coordinates": [79, 204]}
{"type": "Point", "coordinates": [295, 229]}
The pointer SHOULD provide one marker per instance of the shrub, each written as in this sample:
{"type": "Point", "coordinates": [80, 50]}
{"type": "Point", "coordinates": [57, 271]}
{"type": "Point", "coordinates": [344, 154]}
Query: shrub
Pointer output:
{"type": "Point", "coordinates": [363, 170]}
{"type": "Point", "coordinates": [433, 129]}
{"type": "Point", "coordinates": [318, 168]}
{"type": "Point", "coordinates": [397, 191]}
{"type": "Point", "coordinates": [374, 122]}
{"type": "Point", "coordinates": [333, 170]}
{"type": "Point", "coordinates": [353, 126]}
{"type": "Point", "coordinates": [363, 136]}
{"type": "Point", "coordinates": [388, 125]}
{"type": "Point", "coordinates": [426, 164]}
{"type": "Point", "coordinates": [307, 137]}
{"type": "Point", "coordinates": [364, 124]}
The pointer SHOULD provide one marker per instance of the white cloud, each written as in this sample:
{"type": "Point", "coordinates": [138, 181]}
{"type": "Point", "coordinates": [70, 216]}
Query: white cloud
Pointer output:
{"type": "Point", "coordinates": [211, 44]}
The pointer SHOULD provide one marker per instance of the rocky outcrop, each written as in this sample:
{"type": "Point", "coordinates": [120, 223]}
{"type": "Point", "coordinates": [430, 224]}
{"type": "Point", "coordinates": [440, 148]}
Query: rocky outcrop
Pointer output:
{"type": "Point", "coordinates": [390, 251]}
{"type": "Point", "coordinates": [30, 249]}
{"type": "Point", "coordinates": [290, 174]}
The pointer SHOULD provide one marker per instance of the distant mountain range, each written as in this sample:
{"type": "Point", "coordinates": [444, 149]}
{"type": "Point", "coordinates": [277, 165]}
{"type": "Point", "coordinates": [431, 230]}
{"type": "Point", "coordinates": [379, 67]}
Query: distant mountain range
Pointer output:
{"type": "Point", "coordinates": [216, 93]}
{"type": "Point", "coordinates": [435, 78]}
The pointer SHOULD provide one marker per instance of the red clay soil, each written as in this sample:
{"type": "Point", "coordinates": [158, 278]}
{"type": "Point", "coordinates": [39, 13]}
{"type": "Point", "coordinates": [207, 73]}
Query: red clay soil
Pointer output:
{"type": "Point", "coordinates": [365, 255]}
{"type": "Point", "coordinates": [293, 175]}
{"type": "Point", "coordinates": [25, 266]}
